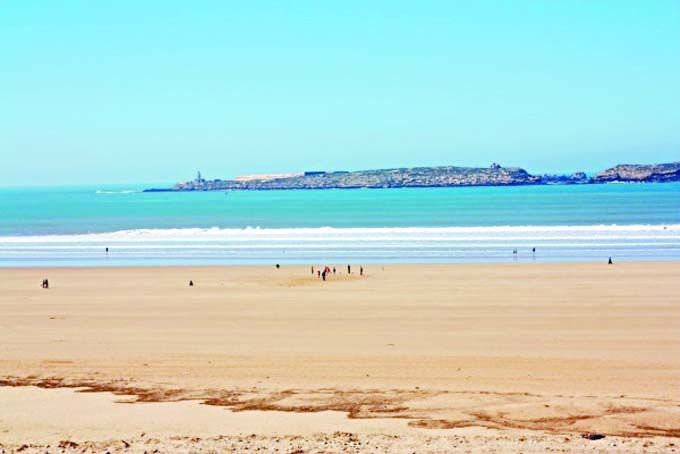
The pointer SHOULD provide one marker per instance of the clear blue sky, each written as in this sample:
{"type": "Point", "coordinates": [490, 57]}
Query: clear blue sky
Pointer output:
{"type": "Point", "coordinates": [151, 91]}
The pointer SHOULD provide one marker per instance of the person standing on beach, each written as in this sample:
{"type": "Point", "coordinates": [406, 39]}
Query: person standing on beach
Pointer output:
{"type": "Point", "coordinates": [349, 269]}
{"type": "Point", "coordinates": [312, 271]}
{"type": "Point", "coordinates": [323, 275]}
{"type": "Point", "coordinates": [361, 271]}
{"type": "Point", "coordinates": [610, 261]}
{"type": "Point", "coordinates": [333, 271]}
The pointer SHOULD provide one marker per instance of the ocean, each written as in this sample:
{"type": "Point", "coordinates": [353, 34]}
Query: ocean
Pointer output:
{"type": "Point", "coordinates": [73, 226]}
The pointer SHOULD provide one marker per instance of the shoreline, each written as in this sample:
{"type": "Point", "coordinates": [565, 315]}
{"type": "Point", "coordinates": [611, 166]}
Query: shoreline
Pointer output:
{"type": "Point", "coordinates": [356, 188]}
{"type": "Point", "coordinates": [306, 265]}
{"type": "Point", "coordinates": [375, 246]}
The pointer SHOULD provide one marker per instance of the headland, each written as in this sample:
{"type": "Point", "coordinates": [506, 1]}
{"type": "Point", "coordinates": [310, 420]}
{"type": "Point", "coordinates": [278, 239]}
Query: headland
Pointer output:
{"type": "Point", "coordinates": [424, 177]}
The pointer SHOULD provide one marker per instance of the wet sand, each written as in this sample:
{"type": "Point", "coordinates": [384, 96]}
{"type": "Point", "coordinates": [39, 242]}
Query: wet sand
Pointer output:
{"type": "Point", "coordinates": [488, 354]}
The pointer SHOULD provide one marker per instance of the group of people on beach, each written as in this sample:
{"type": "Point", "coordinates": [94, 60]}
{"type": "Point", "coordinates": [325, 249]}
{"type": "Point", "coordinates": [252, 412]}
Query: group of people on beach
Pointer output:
{"type": "Point", "coordinates": [328, 270]}
{"type": "Point", "coordinates": [320, 273]}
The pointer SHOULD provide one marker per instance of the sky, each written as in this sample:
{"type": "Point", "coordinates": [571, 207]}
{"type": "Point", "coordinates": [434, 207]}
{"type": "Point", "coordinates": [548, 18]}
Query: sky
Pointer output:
{"type": "Point", "coordinates": [131, 91]}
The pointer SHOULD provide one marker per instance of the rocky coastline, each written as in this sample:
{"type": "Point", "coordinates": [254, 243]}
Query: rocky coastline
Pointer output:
{"type": "Point", "coordinates": [419, 177]}
{"type": "Point", "coordinates": [651, 173]}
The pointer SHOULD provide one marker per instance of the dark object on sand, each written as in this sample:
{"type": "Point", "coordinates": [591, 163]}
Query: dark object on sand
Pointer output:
{"type": "Point", "coordinates": [278, 266]}
{"type": "Point", "coordinates": [323, 275]}
{"type": "Point", "coordinates": [349, 269]}
{"type": "Point", "coordinates": [610, 261]}
{"type": "Point", "coordinates": [592, 436]}
{"type": "Point", "coordinates": [45, 283]}
{"type": "Point", "coordinates": [312, 271]}
{"type": "Point", "coordinates": [191, 283]}
{"type": "Point", "coordinates": [361, 271]}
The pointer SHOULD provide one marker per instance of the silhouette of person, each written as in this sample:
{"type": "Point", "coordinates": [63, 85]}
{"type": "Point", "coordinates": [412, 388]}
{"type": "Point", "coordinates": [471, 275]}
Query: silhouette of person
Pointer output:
{"type": "Point", "coordinates": [191, 283]}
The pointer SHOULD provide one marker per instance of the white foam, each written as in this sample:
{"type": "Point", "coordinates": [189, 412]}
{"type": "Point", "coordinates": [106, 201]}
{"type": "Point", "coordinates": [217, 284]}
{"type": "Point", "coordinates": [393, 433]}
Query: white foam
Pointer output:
{"type": "Point", "coordinates": [305, 245]}
{"type": "Point", "coordinates": [536, 233]}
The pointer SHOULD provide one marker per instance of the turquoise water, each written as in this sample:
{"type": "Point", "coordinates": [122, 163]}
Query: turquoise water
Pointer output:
{"type": "Point", "coordinates": [71, 226]}
{"type": "Point", "coordinates": [48, 211]}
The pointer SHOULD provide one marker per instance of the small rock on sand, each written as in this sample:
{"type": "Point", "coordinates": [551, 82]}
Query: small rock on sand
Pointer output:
{"type": "Point", "coordinates": [592, 436]}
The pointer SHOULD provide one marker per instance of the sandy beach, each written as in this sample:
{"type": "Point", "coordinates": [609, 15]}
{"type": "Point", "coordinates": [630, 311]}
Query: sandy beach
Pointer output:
{"type": "Point", "coordinates": [425, 358]}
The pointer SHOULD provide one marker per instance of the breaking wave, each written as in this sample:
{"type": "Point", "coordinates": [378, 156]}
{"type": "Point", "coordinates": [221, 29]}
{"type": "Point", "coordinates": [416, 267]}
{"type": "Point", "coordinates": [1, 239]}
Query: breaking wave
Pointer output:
{"type": "Point", "coordinates": [305, 245]}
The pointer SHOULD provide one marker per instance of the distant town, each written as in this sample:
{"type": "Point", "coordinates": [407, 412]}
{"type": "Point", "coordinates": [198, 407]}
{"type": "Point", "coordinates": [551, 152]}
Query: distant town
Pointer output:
{"type": "Point", "coordinates": [421, 177]}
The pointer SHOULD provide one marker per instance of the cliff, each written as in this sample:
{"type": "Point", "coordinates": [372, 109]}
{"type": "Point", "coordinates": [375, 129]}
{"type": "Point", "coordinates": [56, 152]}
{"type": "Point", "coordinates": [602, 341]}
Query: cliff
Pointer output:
{"type": "Point", "coordinates": [636, 173]}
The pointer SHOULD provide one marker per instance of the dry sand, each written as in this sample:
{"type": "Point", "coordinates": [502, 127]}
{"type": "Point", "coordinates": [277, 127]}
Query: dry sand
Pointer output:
{"type": "Point", "coordinates": [427, 358]}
